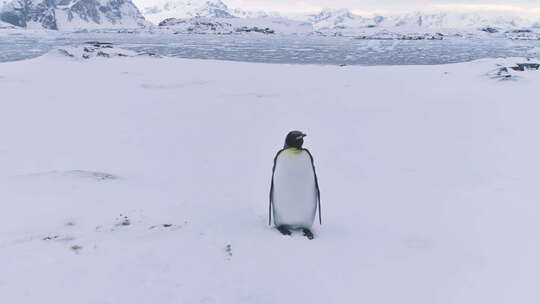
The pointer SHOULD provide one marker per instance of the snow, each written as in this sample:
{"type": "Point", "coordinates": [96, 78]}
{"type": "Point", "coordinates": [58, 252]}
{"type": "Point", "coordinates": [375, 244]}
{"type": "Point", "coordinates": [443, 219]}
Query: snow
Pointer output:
{"type": "Point", "coordinates": [92, 50]}
{"type": "Point", "coordinates": [73, 15]}
{"type": "Point", "coordinates": [157, 11]}
{"type": "Point", "coordinates": [340, 20]}
{"type": "Point", "coordinates": [4, 25]}
{"type": "Point", "coordinates": [203, 25]}
{"type": "Point", "coordinates": [448, 22]}
{"type": "Point", "coordinates": [107, 15]}
{"type": "Point", "coordinates": [129, 19]}
{"type": "Point", "coordinates": [145, 180]}
{"type": "Point", "coordinates": [126, 17]}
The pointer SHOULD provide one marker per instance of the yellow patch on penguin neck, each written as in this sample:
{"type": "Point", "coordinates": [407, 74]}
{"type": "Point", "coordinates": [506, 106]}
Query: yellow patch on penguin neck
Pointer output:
{"type": "Point", "coordinates": [293, 149]}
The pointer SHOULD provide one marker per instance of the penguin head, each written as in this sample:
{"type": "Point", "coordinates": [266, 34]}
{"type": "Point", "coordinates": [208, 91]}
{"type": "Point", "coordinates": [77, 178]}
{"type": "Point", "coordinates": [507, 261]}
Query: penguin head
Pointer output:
{"type": "Point", "coordinates": [295, 139]}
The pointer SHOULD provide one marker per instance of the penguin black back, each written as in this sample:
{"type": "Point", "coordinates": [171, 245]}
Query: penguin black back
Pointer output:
{"type": "Point", "coordinates": [295, 139]}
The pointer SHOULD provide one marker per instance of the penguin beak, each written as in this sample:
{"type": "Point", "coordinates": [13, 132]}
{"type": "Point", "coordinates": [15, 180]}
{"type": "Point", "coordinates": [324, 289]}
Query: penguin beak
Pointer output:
{"type": "Point", "coordinates": [301, 136]}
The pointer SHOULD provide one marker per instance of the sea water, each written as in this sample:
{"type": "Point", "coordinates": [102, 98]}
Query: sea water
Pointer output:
{"type": "Point", "coordinates": [291, 49]}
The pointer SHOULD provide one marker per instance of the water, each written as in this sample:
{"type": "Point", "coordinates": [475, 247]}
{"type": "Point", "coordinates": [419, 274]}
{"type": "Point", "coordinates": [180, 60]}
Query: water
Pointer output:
{"type": "Point", "coordinates": [281, 49]}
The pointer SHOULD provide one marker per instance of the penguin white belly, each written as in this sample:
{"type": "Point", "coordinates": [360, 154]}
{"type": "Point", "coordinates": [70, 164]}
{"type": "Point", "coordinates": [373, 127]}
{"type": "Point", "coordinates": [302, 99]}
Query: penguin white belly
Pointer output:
{"type": "Point", "coordinates": [294, 192]}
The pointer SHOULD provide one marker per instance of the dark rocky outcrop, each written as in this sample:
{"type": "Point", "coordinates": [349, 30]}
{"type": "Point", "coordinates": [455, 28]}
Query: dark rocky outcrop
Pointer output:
{"type": "Point", "coordinates": [386, 35]}
{"type": "Point", "coordinates": [490, 30]}
{"type": "Point", "coordinates": [96, 49]}
{"type": "Point", "coordinates": [246, 29]}
{"type": "Point", "coordinates": [197, 25]}
{"type": "Point", "coordinates": [525, 67]}
{"type": "Point", "coordinates": [508, 72]}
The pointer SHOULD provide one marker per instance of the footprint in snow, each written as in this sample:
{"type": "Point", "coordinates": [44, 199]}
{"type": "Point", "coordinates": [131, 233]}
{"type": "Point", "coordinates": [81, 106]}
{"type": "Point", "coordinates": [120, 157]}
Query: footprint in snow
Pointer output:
{"type": "Point", "coordinates": [79, 174]}
{"type": "Point", "coordinates": [169, 227]}
{"type": "Point", "coordinates": [123, 220]}
{"type": "Point", "coordinates": [76, 248]}
{"type": "Point", "coordinates": [58, 238]}
{"type": "Point", "coordinates": [161, 225]}
{"type": "Point", "coordinates": [90, 174]}
{"type": "Point", "coordinates": [174, 86]}
{"type": "Point", "coordinates": [419, 244]}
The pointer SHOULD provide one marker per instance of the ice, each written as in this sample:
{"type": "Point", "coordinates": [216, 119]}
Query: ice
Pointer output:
{"type": "Point", "coordinates": [534, 51]}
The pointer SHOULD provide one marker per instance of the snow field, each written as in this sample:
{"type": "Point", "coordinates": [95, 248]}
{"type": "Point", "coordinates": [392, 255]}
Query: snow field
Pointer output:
{"type": "Point", "coordinates": [138, 180]}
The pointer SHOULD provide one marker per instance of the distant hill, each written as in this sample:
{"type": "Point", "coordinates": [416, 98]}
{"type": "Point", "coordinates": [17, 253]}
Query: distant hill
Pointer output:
{"type": "Point", "coordinates": [164, 9]}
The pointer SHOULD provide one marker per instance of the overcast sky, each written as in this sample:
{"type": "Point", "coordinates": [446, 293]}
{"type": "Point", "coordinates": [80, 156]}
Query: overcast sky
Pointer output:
{"type": "Point", "coordinates": [529, 7]}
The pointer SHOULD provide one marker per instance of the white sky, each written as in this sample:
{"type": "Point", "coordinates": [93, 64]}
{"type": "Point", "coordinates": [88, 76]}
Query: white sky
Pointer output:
{"type": "Point", "coordinates": [526, 7]}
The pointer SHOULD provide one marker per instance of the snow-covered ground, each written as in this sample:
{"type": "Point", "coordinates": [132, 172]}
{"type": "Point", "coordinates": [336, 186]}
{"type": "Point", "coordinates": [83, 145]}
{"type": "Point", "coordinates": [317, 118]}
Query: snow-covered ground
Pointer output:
{"type": "Point", "coordinates": [145, 180]}
{"type": "Point", "coordinates": [6, 26]}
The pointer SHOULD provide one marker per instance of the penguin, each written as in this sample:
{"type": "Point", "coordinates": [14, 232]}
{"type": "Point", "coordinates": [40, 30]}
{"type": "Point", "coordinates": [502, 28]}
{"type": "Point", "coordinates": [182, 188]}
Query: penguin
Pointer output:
{"type": "Point", "coordinates": [294, 189]}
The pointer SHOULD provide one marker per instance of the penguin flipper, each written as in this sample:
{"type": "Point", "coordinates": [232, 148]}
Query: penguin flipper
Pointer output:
{"type": "Point", "coordinates": [316, 185]}
{"type": "Point", "coordinates": [271, 196]}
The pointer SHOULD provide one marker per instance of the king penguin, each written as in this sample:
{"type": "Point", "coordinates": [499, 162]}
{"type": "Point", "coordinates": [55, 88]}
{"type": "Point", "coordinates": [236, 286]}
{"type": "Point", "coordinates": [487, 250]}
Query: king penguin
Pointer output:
{"type": "Point", "coordinates": [294, 190]}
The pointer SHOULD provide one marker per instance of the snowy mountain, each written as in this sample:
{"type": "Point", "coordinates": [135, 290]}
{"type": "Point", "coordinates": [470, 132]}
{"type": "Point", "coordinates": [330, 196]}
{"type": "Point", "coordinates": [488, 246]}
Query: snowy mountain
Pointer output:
{"type": "Point", "coordinates": [343, 19]}
{"type": "Point", "coordinates": [339, 19]}
{"type": "Point", "coordinates": [215, 17]}
{"type": "Point", "coordinates": [197, 25]}
{"type": "Point", "coordinates": [71, 14]}
{"type": "Point", "coordinates": [335, 19]}
{"type": "Point", "coordinates": [90, 14]}
{"type": "Point", "coordinates": [255, 14]}
{"type": "Point", "coordinates": [164, 9]}
{"type": "Point", "coordinates": [235, 25]}
{"type": "Point", "coordinates": [452, 20]}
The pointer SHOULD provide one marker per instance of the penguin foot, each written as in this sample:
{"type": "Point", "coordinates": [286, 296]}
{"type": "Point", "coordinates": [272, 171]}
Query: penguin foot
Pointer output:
{"type": "Point", "coordinates": [308, 233]}
{"type": "Point", "coordinates": [284, 230]}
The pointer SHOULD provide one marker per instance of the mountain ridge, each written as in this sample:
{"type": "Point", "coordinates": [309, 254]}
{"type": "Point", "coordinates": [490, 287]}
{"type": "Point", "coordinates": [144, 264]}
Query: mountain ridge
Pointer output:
{"type": "Point", "coordinates": [71, 14]}
{"type": "Point", "coordinates": [164, 9]}
{"type": "Point", "coordinates": [338, 19]}
{"type": "Point", "coordinates": [96, 14]}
